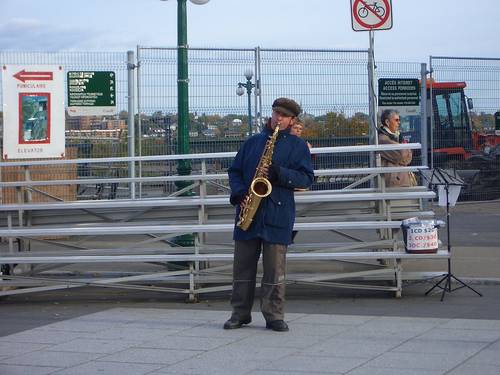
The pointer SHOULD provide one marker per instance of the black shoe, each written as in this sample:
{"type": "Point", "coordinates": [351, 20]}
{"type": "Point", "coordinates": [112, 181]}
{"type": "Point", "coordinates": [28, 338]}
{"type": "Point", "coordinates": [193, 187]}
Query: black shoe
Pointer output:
{"type": "Point", "coordinates": [277, 325]}
{"type": "Point", "coordinates": [234, 323]}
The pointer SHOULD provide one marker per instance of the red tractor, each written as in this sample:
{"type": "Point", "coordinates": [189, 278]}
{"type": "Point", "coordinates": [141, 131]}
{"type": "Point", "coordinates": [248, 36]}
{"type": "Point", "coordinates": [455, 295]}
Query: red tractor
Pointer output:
{"type": "Point", "coordinates": [455, 142]}
{"type": "Point", "coordinates": [452, 136]}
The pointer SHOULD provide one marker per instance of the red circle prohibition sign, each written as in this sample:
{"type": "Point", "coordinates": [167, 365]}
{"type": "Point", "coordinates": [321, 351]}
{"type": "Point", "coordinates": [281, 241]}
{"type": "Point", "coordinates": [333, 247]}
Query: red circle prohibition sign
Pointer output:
{"type": "Point", "coordinates": [382, 14]}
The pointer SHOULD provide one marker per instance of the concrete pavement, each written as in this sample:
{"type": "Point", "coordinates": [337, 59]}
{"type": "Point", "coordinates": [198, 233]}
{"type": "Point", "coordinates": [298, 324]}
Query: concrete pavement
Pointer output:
{"type": "Point", "coordinates": [179, 341]}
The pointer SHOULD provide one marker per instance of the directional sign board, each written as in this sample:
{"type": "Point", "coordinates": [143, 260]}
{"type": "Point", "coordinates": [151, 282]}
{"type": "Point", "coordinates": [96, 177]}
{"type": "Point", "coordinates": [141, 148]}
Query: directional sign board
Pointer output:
{"type": "Point", "coordinates": [33, 111]}
{"type": "Point", "coordinates": [91, 93]}
{"type": "Point", "coordinates": [369, 15]}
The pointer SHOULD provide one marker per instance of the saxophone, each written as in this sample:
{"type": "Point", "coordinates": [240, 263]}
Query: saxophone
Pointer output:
{"type": "Point", "coordinates": [260, 186]}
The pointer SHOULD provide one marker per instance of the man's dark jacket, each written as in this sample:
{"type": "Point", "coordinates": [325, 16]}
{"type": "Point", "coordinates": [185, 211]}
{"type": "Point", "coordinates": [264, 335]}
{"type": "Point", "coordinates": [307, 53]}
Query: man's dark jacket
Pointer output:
{"type": "Point", "coordinates": [275, 217]}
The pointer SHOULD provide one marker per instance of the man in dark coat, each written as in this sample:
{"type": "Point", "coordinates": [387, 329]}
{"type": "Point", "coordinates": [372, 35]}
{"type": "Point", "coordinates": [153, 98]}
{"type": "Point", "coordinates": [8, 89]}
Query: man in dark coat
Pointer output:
{"type": "Point", "coordinates": [271, 228]}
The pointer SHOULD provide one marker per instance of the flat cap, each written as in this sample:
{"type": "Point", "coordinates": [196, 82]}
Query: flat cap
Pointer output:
{"type": "Point", "coordinates": [288, 107]}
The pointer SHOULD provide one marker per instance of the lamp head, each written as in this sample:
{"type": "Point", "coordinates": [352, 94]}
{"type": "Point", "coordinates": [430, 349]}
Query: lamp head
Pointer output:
{"type": "Point", "coordinates": [197, 2]}
{"type": "Point", "coordinates": [240, 91]}
{"type": "Point", "coordinates": [248, 74]}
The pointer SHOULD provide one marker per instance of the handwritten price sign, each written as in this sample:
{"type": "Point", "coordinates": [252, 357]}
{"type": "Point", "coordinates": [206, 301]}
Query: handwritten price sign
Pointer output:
{"type": "Point", "coordinates": [421, 239]}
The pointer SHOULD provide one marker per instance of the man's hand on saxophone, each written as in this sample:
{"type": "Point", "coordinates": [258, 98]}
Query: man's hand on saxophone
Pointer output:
{"type": "Point", "coordinates": [244, 201]}
{"type": "Point", "coordinates": [272, 172]}
{"type": "Point", "coordinates": [265, 170]}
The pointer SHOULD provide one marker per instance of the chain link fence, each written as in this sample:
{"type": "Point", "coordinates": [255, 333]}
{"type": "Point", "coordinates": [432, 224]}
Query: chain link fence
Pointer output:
{"type": "Point", "coordinates": [331, 85]}
{"type": "Point", "coordinates": [322, 81]}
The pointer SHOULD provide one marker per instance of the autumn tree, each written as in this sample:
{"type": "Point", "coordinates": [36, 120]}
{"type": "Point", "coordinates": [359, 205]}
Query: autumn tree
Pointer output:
{"type": "Point", "coordinates": [359, 124]}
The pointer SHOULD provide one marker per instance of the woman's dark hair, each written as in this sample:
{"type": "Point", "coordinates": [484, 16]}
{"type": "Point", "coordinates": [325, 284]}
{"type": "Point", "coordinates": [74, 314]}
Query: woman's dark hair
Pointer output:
{"type": "Point", "coordinates": [386, 115]}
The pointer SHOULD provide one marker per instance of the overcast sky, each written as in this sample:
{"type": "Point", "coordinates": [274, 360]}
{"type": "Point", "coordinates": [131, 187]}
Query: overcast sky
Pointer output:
{"type": "Point", "coordinates": [420, 28]}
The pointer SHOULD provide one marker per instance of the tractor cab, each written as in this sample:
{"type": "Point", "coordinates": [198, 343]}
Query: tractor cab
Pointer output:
{"type": "Point", "coordinates": [451, 134]}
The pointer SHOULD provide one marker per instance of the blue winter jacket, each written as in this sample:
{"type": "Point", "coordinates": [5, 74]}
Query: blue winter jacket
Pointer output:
{"type": "Point", "coordinates": [273, 221]}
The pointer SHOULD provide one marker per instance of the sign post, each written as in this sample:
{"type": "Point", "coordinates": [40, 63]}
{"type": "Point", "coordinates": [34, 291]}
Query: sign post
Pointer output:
{"type": "Point", "coordinates": [33, 107]}
{"type": "Point", "coordinates": [497, 123]}
{"type": "Point", "coordinates": [91, 93]}
{"type": "Point", "coordinates": [369, 17]}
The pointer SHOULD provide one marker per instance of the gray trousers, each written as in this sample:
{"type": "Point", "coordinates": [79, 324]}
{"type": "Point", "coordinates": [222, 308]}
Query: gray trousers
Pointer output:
{"type": "Point", "coordinates": [246, 257]}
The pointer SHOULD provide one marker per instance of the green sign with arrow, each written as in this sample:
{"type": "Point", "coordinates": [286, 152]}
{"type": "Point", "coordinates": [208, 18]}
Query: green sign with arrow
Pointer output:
{"type": "Point", "coordinates": [91, 93]}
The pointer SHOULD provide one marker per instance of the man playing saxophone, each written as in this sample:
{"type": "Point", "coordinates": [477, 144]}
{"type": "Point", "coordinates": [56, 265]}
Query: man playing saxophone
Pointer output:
{"type": "Point", "coordinates": [265, 214]}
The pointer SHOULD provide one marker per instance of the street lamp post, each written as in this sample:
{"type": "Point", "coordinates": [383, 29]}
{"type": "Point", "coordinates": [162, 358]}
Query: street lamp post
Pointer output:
{"type": "Point", "coordinates": [183, 166]}
{"type": "Point", "coordinates": [248, 85]}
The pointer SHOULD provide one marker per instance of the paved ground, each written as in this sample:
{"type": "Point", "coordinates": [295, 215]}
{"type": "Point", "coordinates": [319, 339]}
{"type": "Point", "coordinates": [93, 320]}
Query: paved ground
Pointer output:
{"type": "Point", "coordinates": [167, 341]}
{"type": "Point", "coordinates": [34, 310]}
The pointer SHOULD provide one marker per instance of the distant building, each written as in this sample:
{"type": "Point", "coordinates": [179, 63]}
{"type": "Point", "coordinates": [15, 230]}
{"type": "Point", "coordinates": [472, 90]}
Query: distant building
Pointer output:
{"type": "Point", "coordinates": [236, 122]}
{"type": "Point", "coordinates": [232, 134]}
{"type": "Point", "coordinates": [85, 122]}
{"type": "Point", "coordinates": [114, 124]}
{"type": "Point", "coordinates": [93, 134]}
{"type": "Point", "coordinates": [95, 123]}
{"type": "Point", "coordinates": [208, 133]}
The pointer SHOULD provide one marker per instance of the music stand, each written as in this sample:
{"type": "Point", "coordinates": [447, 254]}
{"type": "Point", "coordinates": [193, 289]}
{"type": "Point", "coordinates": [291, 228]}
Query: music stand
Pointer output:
{"type": "Point", "coordinates": [445, 181]}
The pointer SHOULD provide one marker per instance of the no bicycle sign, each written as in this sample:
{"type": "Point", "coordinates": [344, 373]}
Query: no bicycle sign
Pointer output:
{"type": "Point", "coordinates": [369, 15]}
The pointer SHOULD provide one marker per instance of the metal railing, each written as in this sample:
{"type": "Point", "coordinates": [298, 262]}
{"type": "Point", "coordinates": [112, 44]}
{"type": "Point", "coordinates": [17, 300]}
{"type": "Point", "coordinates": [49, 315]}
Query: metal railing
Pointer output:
{"type": "Point", "coordinates": [91, 178]}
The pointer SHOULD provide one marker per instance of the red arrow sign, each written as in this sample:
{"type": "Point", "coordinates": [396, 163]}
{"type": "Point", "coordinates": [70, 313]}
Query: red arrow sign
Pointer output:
{"type": "Point", "coordinates": [24, 76]}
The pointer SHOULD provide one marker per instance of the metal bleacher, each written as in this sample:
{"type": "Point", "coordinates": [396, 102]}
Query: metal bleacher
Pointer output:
{"type": "Point", "coordinates": [120, 233]}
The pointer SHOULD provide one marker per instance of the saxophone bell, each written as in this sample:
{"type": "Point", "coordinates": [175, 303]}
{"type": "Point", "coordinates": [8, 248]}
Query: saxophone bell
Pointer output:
{"type": "Point", "coordinates": [261, 187]}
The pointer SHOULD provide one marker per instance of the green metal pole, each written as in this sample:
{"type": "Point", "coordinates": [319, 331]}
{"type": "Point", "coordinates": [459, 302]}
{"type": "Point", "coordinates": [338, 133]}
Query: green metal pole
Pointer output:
{"type": "Point", "coordinates": [249, 92]}
{"type": "Point", "coordinates": [183, 166]}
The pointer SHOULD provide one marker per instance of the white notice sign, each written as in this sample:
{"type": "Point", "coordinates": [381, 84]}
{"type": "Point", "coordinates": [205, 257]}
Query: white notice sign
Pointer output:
{"type": "Point", "coordinates": [33, 110]}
